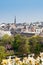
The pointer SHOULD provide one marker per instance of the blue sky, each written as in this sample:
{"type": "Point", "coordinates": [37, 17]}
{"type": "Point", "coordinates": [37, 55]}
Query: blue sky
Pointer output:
{"type": "Point", "coordinates": [24, 10]}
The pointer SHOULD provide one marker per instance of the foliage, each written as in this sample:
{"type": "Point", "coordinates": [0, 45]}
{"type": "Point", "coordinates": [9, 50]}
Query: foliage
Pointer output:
{"type": "Point", "coordinates": [10, 53]}
{"type": "Point", "coordinates": [20, 44]}
{"type": "Point", "coordinates": [2, 53]}
{"type": "Point", "coordinates": [35, 44]}
{"type": "Point", "coordinates": [7, 39]}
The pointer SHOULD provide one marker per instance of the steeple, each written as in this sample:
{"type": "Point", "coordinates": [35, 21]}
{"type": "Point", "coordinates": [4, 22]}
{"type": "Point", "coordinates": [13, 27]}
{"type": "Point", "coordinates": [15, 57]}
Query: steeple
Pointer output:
{"type": "Point", "coordinates": [15, 20]}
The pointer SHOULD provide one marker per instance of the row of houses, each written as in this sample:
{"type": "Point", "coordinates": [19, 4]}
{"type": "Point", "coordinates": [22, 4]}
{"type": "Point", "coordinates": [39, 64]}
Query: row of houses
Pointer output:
{"type": "Point", "coordinates": [24, 29]}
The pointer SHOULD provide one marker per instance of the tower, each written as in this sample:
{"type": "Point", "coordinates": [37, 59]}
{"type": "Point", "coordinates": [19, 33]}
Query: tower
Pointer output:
{"type": "Point", "coordinates": [15, 20]}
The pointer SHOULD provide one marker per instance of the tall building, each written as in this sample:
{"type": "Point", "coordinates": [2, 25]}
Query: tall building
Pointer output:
{"type": "Point", "coordinates": [15, 20]}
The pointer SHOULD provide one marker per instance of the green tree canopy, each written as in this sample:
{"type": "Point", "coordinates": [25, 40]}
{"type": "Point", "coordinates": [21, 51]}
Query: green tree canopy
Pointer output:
{"type": "Point", "coordinates": [20, 44]}
{"type": "Point", "coordinates": [2, 53]}
{"type": "Point", "coordinates": [7, 39]}
{"type": "Point", "coordinates": [35, 43]}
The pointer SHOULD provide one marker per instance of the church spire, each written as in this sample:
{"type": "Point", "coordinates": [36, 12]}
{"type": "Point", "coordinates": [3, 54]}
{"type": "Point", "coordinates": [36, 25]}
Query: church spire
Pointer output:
{"type": "Point", "coordinates": [15, 20]}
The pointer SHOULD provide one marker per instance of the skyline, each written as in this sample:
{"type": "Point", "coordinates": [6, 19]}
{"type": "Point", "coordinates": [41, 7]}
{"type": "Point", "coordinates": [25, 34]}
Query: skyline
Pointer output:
{"type": "Point", "coordinates": [24, 10]}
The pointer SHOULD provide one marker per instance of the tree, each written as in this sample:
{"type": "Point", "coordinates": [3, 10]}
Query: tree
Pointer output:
{"type": "Point", "coordinates": [20, 44]}
{"type": "Point", "coordinates": [2, 53]}
{"type": "Point", "coordinates": [7, 39]}
{"type": "Point", "coordinates": [35, 43]}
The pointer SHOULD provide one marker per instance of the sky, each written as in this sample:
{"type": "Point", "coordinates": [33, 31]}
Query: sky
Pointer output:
{"type": "Point", "coordinates": [25, 11]}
